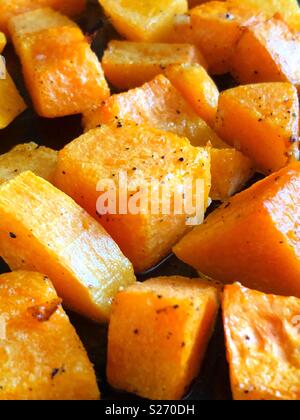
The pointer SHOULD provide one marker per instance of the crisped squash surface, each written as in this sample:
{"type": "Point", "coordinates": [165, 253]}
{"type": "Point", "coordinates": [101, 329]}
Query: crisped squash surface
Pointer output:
{"type": "Point", "coordinates": [267, 52]}
{"type": "Point", "coordinates": [263, 344]}
{"type": "Point", "coordinates": [261, 120]}
{"type": "Point", "coordinates": [143, 20]}
{"type": "Point", "coordinates": [130, 64]}
{"type": "Point", "coordinates": [42, 229]}
{"type": "Point", "coordinates": [61, 72]}
{"type": "Point", "coordinates": [254, 238]}
{"type": "Point", "coordinates": [158, 104]}
{"type": "Point", "coordinates": [196, 86]}
{"type": "Point", "coordinates": [28, 157]}
{"type": "Point", "coordinates": [156, 349]}
{"type": "Point", "coordinates": [143, 153]}
{"type": "Point", "coordinates": [11, 8]}
{"type": "Point", "coordinates": [216, 28]}
{"type": "Point", "coordinates": [41, 356]}
{"type": "Point", "coordinates": [11, 102]}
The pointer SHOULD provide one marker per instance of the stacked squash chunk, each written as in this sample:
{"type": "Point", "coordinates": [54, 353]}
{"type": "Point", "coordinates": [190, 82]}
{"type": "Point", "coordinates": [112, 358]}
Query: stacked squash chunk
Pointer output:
{"type": "Point", "coordinates": [61, 72]}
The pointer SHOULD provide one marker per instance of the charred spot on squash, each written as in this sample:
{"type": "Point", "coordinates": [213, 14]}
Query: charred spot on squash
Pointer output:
{"type": "Point", "coordinates": [44, 312]}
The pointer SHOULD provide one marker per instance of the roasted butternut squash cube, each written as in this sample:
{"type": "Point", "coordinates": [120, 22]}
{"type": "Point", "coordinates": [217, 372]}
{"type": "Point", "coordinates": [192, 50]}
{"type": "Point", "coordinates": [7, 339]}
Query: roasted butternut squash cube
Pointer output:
{"type": "Point", "coordinates": [157, 166]}
{"type": "Point", "coordinates": [196, 86]}
{"type": "Point", "coordinates": [286, 8]}
{"type": "Point", "coordinates": [216, 28]}
{"type": "Point", "coordinates": [2, 41]}
{"type": "Point", "coordinates": [11, 102]}
{"type": "Point", "coordinates": [61, 72]}
{"type": "Point", "coordinates": [130, 64]}
{"type": "Point", "coordinates": [158, 335]}
{"type": "Point", "coordinates": [157, 104]}
{"type": "Point", "coordinates": [267, 52]}
{"type": "Point", "coordinates": [11, 8]}
{"type": "Point", "coordinates": [263, 342]}
{"type": "Point", "coordinates": [42, 229]}
{"type": "Point", "coordinates": [28, 157]}
{"type": "Point", "coordinates": [253, 238]}
{"type": "Point", "coordinates": [143, 20]}
{"type": "Point", "coordinates": [230, 171]}
{"type": "Point", "coordinates": [41, 356]}
{"type": "Point", "coordinates": [261, 120]}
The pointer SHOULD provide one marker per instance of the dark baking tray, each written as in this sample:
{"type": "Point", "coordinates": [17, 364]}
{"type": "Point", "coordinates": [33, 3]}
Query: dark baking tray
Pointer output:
{"type": "Point", "coordinates": [213, 382]}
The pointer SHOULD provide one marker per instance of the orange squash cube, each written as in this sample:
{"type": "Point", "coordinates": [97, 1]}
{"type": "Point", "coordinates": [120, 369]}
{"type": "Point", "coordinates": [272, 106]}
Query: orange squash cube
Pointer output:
{"type": "Point", "coordinates": [147, 234]}
{"type": "Point", "coordinates": [42, 229]}
{"type": "Point", "coordinates": [130, 64]}
{"type": "Point", "coordinates": [288, 9]}
{"type": "Point", "coordinates": [11, 8]}
{"type": "Point", "coordinates": [230, 171]}
{"type": "Point", "coordinates": [143, 20]}
{"type": "Point", "coordinates": [157, 104]}
{"type": "Point", "coordinates": [11, 102]}
{"type": "Point", "coordinates": [263, 341]}
{"type": "Point", "coordinates": [253, 238]}
{"type": "Point", "coordinates": [216, 28]}
{"type": "Point", "coordinates": [262, 121]}
{"type": "Point", "coordinates": [267, 52]}
{"type": "Point", "coordinates": [197, 88]}
{"type": "Point", "coordinates": [41, 356]}
{"type": "Point", "coordinates": [158, 335]}
{"type": "Point", "coordinates": [28, 157]}
{"type": "Point", "coordinates": [61, 72]}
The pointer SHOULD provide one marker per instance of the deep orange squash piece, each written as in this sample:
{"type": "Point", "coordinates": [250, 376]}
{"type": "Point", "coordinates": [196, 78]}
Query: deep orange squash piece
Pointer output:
{"type": "Point", "coordinates": [253, 238]}
{"type": "Point", "coordinates": [11, 102]}
{"type": "Point", "coordinates": [196, 86]}
{"type": "Point", "coordinates": [61, 72]}
{"type": "Point", "coordinates": [230, 171]}
{"type": "Point", "coordinates": [261, 120]}
{"type": "Point", "coordinates": [216, 28]}
{"type": "Point", "coordinates": [267, 52]}
{"type": "Point", "coordinates": [143, 154]}
{"type": "Point", "coordinates": [130, 64]}
{"type": "Point", "coordinates": [263, 341]}
{"type": "Point", "coordinates": [158, 335]}
{"type": "Point", "coordinates": [41, 356]}
{"type": "Point", "coordinates": [42, 229]}
{"type": "Point", "coordinates": [11, 8]}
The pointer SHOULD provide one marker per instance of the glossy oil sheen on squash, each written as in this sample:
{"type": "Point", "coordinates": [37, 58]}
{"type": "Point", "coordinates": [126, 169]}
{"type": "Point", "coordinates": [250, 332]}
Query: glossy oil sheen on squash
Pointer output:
{"type": "Point", "coordinates": [62, 74]}
{"type": "Point", "coordinates": [267, 52]}
{"type": "Point", "coordinates": [130, 64]}
{"type": "Point", "coordinates": [41, 356]}
{"type": "Point", "coordinates": [261, 120]}
{"type": "Point", "coordinates": [254, 238]}
{"type": "Point", "coordinates": [158, 104]}
{"type": "Point", "coordinates": [156, 349]}
{"type": "Point", "coordinates": [40, 160]}
{"type": "Point", "coordinates": [44, 230]}
{"type": "Point", "coordinates": [143, 154]}
{"type": "Point", "coordinates": [11, 8]}
{"type": "Point", "coordinates": [143, 20]}
{"type": "Point", "coordinates": [263, 344]}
